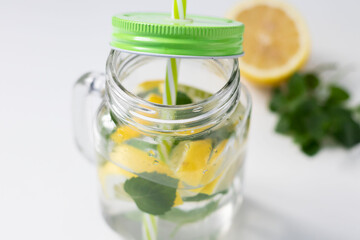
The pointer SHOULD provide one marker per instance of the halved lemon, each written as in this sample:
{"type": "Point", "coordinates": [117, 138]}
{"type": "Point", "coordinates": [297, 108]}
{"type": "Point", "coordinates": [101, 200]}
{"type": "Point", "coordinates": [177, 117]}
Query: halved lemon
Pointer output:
{"type": "Point", "coordinates": [276, 40]}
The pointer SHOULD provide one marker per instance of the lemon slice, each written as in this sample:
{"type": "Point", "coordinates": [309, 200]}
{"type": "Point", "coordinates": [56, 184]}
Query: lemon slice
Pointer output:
{"type": "Point", "coordinates": [138, 161]}
{"type": "Point", "coordinates": [204, 174]}
{"type": "Point", "coordinates": [212, 168]}
{"type": "Point", "coordinates": [209, 188]}
{"type": "Point", "coordinates": [191, 131]}
{"type": "Point", "coordinates": [154, 98]}
{"type": "Point", "coordinates": [189, 160]}
{"type": "Point", "coordinates": [214, 163]}
{"type": "Point", "coordinates": [124, 133]}
{"type": "Point", "coordinates": [112, 178]}
{"type": "Point", "coordinates": [276, 40]}
{"type": "Point", "coordinates": [148, 85]}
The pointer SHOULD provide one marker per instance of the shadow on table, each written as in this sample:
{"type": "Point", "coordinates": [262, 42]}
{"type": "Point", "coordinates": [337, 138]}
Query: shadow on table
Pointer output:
{"type": "Point", "coordinates": [256, 222]}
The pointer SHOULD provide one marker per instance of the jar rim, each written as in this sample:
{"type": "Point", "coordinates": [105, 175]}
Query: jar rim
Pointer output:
{"type": "Point", "coordinates": [178, 56]}
{"type": "Point", "coordinates": [118, 95]}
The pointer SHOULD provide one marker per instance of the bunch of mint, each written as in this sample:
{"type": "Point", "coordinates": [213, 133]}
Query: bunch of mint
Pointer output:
{"type": "Point", "coordinates": [313, 113]}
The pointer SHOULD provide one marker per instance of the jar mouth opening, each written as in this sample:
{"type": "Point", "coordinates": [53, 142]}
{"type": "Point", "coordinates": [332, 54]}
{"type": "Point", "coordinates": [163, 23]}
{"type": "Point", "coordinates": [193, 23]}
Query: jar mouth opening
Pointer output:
{"type": "Point", "coordinates": [144, 102]}
{"type": "Point", "coordinates": [129, 107]}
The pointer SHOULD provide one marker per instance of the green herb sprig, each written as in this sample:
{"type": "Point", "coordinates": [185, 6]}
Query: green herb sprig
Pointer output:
{"type": "Point", "coordinates": [151, 197]}
{"type": "Point", "coordinates": [311, 112]}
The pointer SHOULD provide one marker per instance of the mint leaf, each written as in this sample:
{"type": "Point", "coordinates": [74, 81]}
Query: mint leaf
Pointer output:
{"type": "Point", "coordinates": [113, 118]}
{"type": "Point", "coordinates": [357, 110]}
{"type": "Point", "coordinates": [283, 125]}
{"type": "Point", "coordinates": [147, 93]}
{"type": "Point", "coordinates": [202, 196]}
{"type": "Point", "coordinates": [182, 217]}
{"type": "Point", "coordinates": [182, 98]}
{"type": "Point", "coordinates": [141, 144]}
{"type": "Point", "coordinates": [312, 81]}
{"type": "Point", "coordinates": [278, 101]}
{"type": "Point", "coordinates": [305, 115]}
{"type": "Point", "coordinates": [160, 178]}
{"type": "Point", "coordinates": [337, 95]}
{"type": "Point", "coordinates": [194, 93]}
{"type": "Point", "coordinates": [296, 86]}
{"type": "Point", "coordinates": [149, 196]}
{"type": "Point", "coordinates": [216, 135]}
{"type": "Point", "coordinates": [311, 147]}
{"type": "Point", "coordinates": [344, 128]}
{"type": "Point", "coordinates": [356, 113]}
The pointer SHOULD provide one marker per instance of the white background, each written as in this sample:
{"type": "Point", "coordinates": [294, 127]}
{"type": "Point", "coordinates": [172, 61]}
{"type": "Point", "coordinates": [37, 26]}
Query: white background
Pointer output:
{"type": "Point", "coordinates": [47, 189]}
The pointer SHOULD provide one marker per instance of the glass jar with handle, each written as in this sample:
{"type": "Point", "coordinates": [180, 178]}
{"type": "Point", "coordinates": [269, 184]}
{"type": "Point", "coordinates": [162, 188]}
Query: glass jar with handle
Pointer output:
{"type": "Point", "coordinates": [168, 172]}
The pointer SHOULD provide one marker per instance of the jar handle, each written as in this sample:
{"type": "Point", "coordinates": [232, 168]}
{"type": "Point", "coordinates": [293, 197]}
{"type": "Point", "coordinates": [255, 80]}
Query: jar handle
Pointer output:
{"type": "Point", "coordinates": [88, 93]}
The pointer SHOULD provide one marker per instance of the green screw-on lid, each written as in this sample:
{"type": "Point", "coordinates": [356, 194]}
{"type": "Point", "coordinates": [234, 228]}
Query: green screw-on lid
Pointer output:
{"type": "Point", "coordinates": [159, 34]}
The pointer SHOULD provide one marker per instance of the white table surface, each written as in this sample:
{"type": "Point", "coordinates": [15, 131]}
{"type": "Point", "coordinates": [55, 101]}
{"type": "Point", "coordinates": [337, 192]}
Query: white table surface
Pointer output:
{"type": "Point", "coordinates": [47, 189]}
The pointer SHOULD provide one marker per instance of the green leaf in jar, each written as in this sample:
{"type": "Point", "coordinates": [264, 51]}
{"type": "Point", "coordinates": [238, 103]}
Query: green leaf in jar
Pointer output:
{"type": "Point", "coordinates": [194, 93]}
{"type": "Point", "coordinates": [147, 93]}
{"type": "Point", "coordinates": [181, 217]}
{"type": "Point", "coordinates": [202, 196]}
{"type": "Point", "coordinates": [217, 135]}
{"type": "Point", "coordinates": [149, 196]}
{"type": "Point", "coordinates": [141, 144]}
{"type": "Point", "coordinates": [182, 98]}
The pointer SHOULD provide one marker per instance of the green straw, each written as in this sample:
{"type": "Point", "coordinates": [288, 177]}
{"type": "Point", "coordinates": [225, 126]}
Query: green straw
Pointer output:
{"type": "Point", "coordinates": [171, 80]}
{"type": "Point", "coordinates": [150, 227]}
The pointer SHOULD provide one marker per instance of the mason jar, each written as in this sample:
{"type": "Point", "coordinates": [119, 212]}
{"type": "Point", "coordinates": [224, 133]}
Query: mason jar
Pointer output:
{"type": "Point", "coordinates": [166, 171]}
